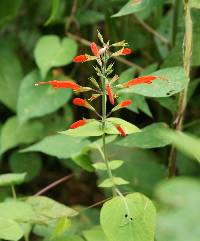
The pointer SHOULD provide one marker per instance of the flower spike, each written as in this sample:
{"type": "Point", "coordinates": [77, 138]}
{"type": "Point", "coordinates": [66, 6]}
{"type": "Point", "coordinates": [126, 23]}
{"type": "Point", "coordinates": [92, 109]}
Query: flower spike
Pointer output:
{"type": "Point", "coordinates": [78, 124]}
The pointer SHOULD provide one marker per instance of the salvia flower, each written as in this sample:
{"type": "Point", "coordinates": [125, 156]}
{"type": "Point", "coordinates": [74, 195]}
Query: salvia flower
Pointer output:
{"type": "Point", "coordinates": [125, 103]}
{"type": "Point", "coordinates": [78, 124]}
{"type": "Point", "coordinates": [110, 94]}
{"type": "Point", "coordinates": [61, 84]}
{"type": "Point", "coordinates": [126, 51]}
{"type": "Point", "coordinates": [80, 58]}
{"type": "Point", "coordinates": [94, 49]}
{"type": "Point", "coordinates": [83, 103]}
{"type": "Point", "coordinates": [120, 129]}
{"type": "Point", "coordinates": [140, 80]}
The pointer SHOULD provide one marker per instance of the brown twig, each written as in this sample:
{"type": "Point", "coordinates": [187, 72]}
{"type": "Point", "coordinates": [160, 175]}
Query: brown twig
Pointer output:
{"type": "Point", "coordinates": [153, 31]}
{"type": "Point", "coordinates": [120, 59]}
{"type": "Point", "coordinates": [50, 186]}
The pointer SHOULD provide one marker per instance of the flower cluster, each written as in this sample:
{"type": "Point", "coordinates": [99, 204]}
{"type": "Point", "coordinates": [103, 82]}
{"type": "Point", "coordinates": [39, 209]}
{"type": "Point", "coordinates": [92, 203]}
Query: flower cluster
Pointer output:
{"type": "Point", "coordinates": [107, 86]}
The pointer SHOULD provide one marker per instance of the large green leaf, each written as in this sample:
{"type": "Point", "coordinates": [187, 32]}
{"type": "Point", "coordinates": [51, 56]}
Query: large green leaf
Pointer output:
{"type": "Point", "coordinates": [50, 51]}
{"type": "Point", "coordinates": [135, 6]}
{"type": "Point", "coordinates": [10, 75]}
{"type": "Point", "coordinates": [12, 179]}
{"type": "Point", "coordinates": [68, 237]}
{"type": "Point", "coordinates": [38, 101]}
{"type": "Point", "coordinates": [188, 144]}
{"type": "Point", "coordinates": [194, 4]}
{"type": "Point", "coordinates": [130, 218]}
{"type": "Point", "coordinates": [10, 230]}
{"type": "Point", "coordinates": [179, 219]}
{"type": "Point", "coordinates": [30, 163]}
{"type": "Point", "coordinates": [147, 138]}
{"type": "Point", "coordinates": [95, 234]}
{"type": "Point", "coordinates": [127, 127]}
{"type": "Point", "coordinates": [17, 210]}
{"type": "Point", "coordinates": [94, 128]}
{"type": "Point", "coordinates": [8, 10]}
{"type": "Point", "coordinates": [176, 81]}
{"type": "Point", "coordinates": [60, 146]}
{"type": "Point", "coordinates": [13, 133]}
{"type": "Point", "coordinates": [47, 209]}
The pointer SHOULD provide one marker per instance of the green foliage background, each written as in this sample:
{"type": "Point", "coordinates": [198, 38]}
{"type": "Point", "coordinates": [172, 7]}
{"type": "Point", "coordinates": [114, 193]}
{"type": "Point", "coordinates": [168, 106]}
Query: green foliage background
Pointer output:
{"type": "Point", "coordinates": [38, 41]}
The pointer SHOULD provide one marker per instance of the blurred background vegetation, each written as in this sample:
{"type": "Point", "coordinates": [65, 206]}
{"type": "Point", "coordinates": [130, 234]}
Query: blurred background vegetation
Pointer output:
{"type": "Point", "coordinates": [38, 40]}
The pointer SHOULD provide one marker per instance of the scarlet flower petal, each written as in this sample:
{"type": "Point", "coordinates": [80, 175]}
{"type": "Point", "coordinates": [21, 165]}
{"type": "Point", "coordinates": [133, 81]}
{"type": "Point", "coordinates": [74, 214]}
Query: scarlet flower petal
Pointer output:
{"type": "Point", "coordinates": [78, 124]}
{"type": "Point", "coordinates": [126, 51]}
{"type": "Point", "coordinates": [61, 84]}
{"type": "Point", "coordinates": [140, 80]}
{"type": "Point", "coordinates": [121, 130]}
{"type": "Point", "coordinates": [110, 94]}
{"type": "Point", "coordinates": [79, 102]}
{"type": "Point", "coordinates": [80, 58]}
{"type": "Point", "coordinates": [94, 49]}
{"type": "Point", "coordinates": [125, 103]}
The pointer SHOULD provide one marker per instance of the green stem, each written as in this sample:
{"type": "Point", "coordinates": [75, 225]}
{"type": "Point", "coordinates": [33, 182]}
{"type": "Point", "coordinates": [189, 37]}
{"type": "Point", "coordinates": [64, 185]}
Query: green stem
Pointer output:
{"type": "Point", "coordinates": [13, 192]}
{"type": "Point", "coordinates": [104, 100]}
{"type": "Point", "coordinates": [187, 53]}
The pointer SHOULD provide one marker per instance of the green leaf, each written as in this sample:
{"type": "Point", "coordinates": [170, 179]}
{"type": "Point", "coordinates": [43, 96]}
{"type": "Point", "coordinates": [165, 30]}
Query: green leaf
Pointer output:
{"type": "Point", "coordinates": [89, 16]}
{"type": "Point", "coordinates": [147, 138]}
{"type": "Point", "coordinates": [10, 230]}
{"type": "Point", "coordinates": [54, 10]}
{"type": "Point", "coordinates": [114, 181]}
{"type": "Point", "coordinates": [130, 218]}
{"type": "Point", "coordinates": [135, 6]}
{"type": "Point", "coordinates": [83, 160]}
{"type": "Point", "coordinates": [13, 133]}
{"type": "Point", "coordinates": [10, 75]}
{"type": "Point", "coordinates": [30, 163]}
{"type": "Point", "coordinates": [68, 237]}
{"type": "Point", "coordinates": [92, 128]}
{"type": "Point", "coordinates": [47, 209]}
{"type": "Point", "coordinates": [62, 225]}
{"type": "Point", "coordinates": [50, 51]}
{"type": "Point", "coordinates": [11, 179]}
{"type": "Point", "coordinates": [60, 146]}
{"type": "Point", "coordinates": [179, 219]}
{"type": "Point", "coordinates": [113, 165]}
{"type": "Point", "coordinates": [176, 81]}
{"type": "Point", "coordinates": [17, 210]}
{"type": "Point", "coordinates": [94, 234]}
{"type": "Point", "coordinates": [186, 143]}
{"type": "Point", "coordinates": [8, 10]}
{"type": "Point", "coordinates": [36, 101]}
{"type": "Point", "coordinates": [126, 126]}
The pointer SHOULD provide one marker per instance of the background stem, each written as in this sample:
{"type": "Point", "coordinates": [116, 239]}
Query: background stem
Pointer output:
{"type": "Point", "coordinates": [187, 53]}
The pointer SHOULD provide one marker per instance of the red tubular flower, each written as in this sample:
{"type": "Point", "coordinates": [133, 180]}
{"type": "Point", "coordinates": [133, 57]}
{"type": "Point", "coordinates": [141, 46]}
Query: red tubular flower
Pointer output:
{"type": "Point", "coordinates": [110, 94]}
{"type": "Point", "coordinates": [78, 124]}
{"type": "Point", "coordinates": [140, 80]}
{"type": "Point", "coordinates": [94, 49]}
{"type": "Point", "coordinates": [126, 51]}
{"type": "Point", "coordinates": [121, 130]}
{"type": "Point", "coordinates": [61, 84]}
{"type": "Point", "coordinates": [125, 103]}
{"type": "Point", "coordinates": [80, 58]}
{"type": "Point", "coordinates": [79, 102]}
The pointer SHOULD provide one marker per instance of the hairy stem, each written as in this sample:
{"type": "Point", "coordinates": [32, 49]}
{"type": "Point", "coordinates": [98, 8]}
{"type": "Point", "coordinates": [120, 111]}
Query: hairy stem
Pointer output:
{"type": "Point", "coordinates": [13, 192]}
{"type": "Point", "coordinates": [104, 100]}
{"type": "Point", "coordinates": [187, 53]}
